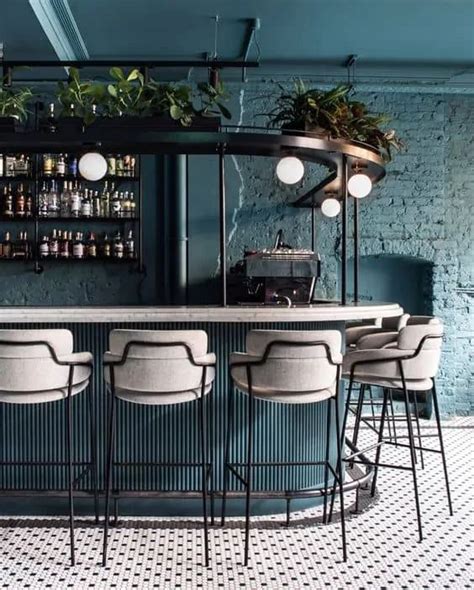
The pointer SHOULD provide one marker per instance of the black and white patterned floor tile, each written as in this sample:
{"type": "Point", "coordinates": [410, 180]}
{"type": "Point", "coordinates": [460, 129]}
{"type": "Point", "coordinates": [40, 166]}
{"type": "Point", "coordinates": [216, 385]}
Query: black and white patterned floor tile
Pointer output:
{"type": "Point", "coordinates": [383, 548]}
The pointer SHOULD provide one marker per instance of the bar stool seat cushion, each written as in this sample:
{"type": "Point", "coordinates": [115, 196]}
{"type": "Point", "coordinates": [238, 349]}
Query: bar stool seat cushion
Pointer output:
{"type": "Point", "coordinates": [159, 375]}
{"type": "Point", "coordinates": [290, 374]}
{"type": "Point", "coordinates": [41, 397]}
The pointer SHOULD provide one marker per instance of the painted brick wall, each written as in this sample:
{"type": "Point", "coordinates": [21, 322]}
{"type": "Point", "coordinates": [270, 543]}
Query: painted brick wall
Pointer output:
{"type": "Point", "coordinates": [423, 209]}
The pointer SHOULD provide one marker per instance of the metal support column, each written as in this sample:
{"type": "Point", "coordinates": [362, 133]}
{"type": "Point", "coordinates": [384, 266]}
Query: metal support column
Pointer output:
{"type": "Point", "coordinates": [344, 231]}
{"type": "Point", "coordinates": [176, 174]}
{"type": "Point", "coordinates": [222, 226]}
{"type": "Point", "coordinates": [356, 250]}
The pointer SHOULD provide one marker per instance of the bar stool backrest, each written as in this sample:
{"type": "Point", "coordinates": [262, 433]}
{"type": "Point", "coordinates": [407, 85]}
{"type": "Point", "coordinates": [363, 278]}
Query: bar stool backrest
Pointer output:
{"type": "Point", "coordinates": [426, 363]}
{"type": "Point", "coordinates": [297, 367]}
{"type": "Point", "coordinates": [161, 369]}
{"type": "Point", "coordinates": [31, 367]}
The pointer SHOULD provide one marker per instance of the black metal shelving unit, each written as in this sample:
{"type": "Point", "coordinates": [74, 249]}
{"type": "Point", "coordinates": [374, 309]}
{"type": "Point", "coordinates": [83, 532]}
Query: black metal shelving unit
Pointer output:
{"type": "Point", "coordinates": [34, 222]}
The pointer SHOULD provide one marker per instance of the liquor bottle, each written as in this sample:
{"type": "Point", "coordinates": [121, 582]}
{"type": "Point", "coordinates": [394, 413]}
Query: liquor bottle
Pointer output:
{"type": "Point", "coordinates": [117, 248]}
{"type": "Point", "coordinates": [63, 244]}
{"type": "Point", "coordinates": [129, 248]}
{"type": "Point", "coordinates": [25, 245]}
{"type": "Point", "coordinates": [61, 165]}
{"type": "Point", "coordinates": [111, 163]}
{"type": "Point", "coordinates": [51, 123]}
{"type": "Point", "coordinates": [78, 246]}
{"type": "Point", "coordinates": [29, 203]}
{"type": "Point", "coordinates": [106, 247]}
{"type": "Point", "coordinates": [126, 165]}
{"type": "Point", "coordinates": [91, 247]}
{"type": "Point", "coordinates": [21, 165]}
{"type": "Point", "coordinates": [65, 201]}
{"type": "Point", "coordinates": [9, 165]}
{"type": "Point", "coordinates": [7, 246]}
{"type": "Point", "coordinates": [43, 249]}
{"type": "Point", "coordinates": [119, 165]}
{"type": "Point", "coordinates": [53, 200]}
{"type": "Point", "coordinates": [75, 200]}
{"type": "Point", "coordinates": [133, 204]}
{"type": "Point", "coordinates": [133, 165]}
{"type": "Point", "coordinates": [115, 205]}
{"type": "Point", "coordinates": [20, 247]}
{"type": "Point", "coordinates": [43, 201]}
{"type": "Point", "coordinates": [126, 205]}
{"type": "Point", "coordinates": [96, 205]}
{"type": "Point", "coordinates": [86, 209]}
{"type": "Point", "coordinates": [72, 165]}
{"type": "Point", "coordinates": [20, 202]}
{"type": "Point", "coordinates": [54, 245]}
{"type": "Point", "coordinates": [2, 169]}
{"type": "Point", "coordinates": [8, 202]}
{"type": "Point", "coordinates": [47, 164]}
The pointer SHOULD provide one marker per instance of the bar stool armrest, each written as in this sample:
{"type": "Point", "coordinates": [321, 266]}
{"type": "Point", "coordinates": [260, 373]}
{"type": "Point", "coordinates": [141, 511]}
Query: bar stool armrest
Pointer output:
{"type": "Point", "coordinates": [76, 359]}
{"type": "Point", "coordinates": [208, 360]}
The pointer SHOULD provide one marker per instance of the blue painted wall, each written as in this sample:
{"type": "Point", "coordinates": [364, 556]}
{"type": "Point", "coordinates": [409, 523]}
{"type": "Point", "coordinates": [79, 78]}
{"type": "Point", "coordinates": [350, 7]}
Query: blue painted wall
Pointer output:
{"type": "Point", "coordinates": [419, 220]}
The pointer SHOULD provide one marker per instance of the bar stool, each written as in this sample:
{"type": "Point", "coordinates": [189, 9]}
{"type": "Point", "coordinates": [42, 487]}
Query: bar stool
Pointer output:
{"type": "Point", "coordinates": [160, 368]}
{"type": "Point", "coordinates": [408, 366]}
{"type": "Point", "coordinates": [387, 339]}
{"type": "Point", "coordinates": [289, 368]}
{"type": "Point", "coordinates": [39, 367]}
{"type": "Point", "coordinates": [357, 330]}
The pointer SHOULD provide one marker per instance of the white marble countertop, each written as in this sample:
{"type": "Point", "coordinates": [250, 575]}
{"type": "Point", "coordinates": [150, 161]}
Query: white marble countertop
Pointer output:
{"type": "Point", "coordinates": [321, 312]}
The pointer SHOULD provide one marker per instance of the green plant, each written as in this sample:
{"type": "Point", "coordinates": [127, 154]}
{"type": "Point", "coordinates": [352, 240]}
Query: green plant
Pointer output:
{"type": "Point", "coordinates": [126, 94]}
{"type": "Point", "coordinates": [212, 99]}
{"type": "Point", "coordinates": [14, 101]}
{"type": "Point", "coordinates": [173, 100]}
{"type": "Point", "coordinates": [80, 98]}
{"type": "Point", "coordinates": [333, 113]}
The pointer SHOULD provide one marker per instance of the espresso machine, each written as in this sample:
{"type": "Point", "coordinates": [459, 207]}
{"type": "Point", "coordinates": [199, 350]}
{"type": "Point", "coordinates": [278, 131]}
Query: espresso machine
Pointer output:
{"type": "Point", "coordinates": [277, 275]}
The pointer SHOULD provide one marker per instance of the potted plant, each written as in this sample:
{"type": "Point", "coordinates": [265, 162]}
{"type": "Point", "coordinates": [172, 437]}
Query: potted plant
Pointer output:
{"type": "Point", "coordinates": [13, 107]}
{"type": "Point", "coordinates": [78, 100]}
{"type": "Point", "coordinates": [333, 114]}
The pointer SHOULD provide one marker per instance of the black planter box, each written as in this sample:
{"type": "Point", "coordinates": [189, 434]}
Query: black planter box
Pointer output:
{"type": "Point", "coordinates": [71, 124]}
{"type": "Point", "coordinates": [155, 124]}
{"type": "Point", "coordinates": [9, 125]}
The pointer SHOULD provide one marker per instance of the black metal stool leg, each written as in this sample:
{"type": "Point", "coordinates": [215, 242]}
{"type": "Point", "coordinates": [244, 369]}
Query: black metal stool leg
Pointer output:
{"type": "Point", "coordinates": [70, 466]}
{"type": "Point", "coordinates": [380, 441]}
{"type": "Point", "coordinates": [418, 429]}
{"type": "Point", "coordinates": [392, 412]}
{"type": "Point", "coordinates": [203, 445]}
{"type": "Point", "coordinates": [341, 481]}
{"type": "Point", "coordinates": [443, 454]}
{"type": "Point", "coordinates": [230, 417]}
{"type": "Point", "coordinates": [249, 467]}
{"type": "Point", "coordinates": [360, 406]}
{"type": "Point", "coordinates": [210, 446]}
{"type": "Point", "coordinates": [411, 440]}
{"type": "Point", "coordinates": [326, 464]}
{"type": "Point", "coordinates": [109, 465]}
{"type": "Point", "coordinates": [93, 428]}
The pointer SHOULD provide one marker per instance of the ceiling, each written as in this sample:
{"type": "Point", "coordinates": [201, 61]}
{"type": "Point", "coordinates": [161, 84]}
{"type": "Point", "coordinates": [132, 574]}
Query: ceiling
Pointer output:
{"type": "Point", "coordinates": [397, 40]}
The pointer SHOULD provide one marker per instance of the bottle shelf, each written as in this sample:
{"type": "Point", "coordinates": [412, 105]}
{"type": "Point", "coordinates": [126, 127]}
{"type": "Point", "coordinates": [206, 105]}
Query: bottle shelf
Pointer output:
{"type": "Point", "coordinates": [98, 259]}
{"type": "Point", "coordinates": [114, 177]}
{"type": "Point", "coordinates": [17, 219]}
{"type": "Point", "coordinates": [112, 220]}
{"type": "Point", "coordinates": [17, 177]}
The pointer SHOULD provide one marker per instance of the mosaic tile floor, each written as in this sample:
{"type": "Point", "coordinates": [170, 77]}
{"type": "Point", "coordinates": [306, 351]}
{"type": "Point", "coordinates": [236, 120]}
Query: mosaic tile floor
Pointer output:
{"type": "Point", "coordinates": [383, 548]}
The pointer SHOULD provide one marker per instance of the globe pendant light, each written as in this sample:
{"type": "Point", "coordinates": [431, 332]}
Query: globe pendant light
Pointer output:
{"type": "Point", "coordinates": [330, 207]}
{"type": "Point", "coordinates": [359, 185]}
{"type": "Point", "coordinates": [92, 166]}
{"type": "Point", "coordinates": [290, 170]}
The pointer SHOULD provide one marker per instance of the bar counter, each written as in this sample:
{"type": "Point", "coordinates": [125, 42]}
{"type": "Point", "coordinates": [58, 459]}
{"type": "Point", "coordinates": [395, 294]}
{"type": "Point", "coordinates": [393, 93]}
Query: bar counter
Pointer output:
{"type": "Point", "coordinates": [168, 432]}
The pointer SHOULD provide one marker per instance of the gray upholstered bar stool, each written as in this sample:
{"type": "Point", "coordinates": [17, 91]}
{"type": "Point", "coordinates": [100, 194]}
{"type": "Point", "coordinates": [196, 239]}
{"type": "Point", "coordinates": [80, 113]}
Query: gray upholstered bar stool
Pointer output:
{"type": "Point", "coordinates": [40, 367]}
{"type": "Point", "coordinates": [156, 368]}
{"type": "Point", "coordinates": [356, 330]}
{"type": "Point", "coordinates": [287, 367]}
{"type": "Point", "coordinates": [408, 366]}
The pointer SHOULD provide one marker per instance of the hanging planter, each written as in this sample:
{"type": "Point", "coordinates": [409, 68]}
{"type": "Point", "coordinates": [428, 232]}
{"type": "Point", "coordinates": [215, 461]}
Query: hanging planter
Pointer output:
{"type": "Point", "coordinates": [332, 115]}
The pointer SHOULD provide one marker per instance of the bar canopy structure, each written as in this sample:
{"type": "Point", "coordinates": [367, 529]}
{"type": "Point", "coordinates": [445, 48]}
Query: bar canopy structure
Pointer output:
{"type": "Point", "coordinates": [339, 156]}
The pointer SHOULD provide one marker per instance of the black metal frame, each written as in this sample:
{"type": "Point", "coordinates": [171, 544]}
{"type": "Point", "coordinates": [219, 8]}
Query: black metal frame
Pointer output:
{"type": "Point", "coordinates": [288, 495]}
{"type": "Point", "coordinates": [90, 466]}
{"type": "Point", "coordinates": [411, 437]}
{"type": "Point", "coordinates": [201, 416]}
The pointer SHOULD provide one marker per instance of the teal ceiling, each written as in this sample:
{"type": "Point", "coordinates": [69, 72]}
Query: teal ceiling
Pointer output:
{"type": "Point", "coordinates": [394, 39]}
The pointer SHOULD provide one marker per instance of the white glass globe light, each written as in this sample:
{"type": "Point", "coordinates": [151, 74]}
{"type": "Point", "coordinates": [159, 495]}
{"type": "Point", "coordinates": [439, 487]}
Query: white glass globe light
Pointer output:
{"type": "Point", "coordinates": [359, 185]}
{"type": "Point", "coordinates": [92, 166]}
{"type": "Point", "coordinates": [330, 207]}
{"type": "Point", "coordinates": [290, 170]}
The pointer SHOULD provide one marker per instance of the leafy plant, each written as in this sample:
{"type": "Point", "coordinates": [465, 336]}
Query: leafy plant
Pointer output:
{"type": "Point", "coordinates": [173, 100]}
{"type": "Point", "coordinates": [212, 99]}
{"type": "Point", "coordinates": [80, 98]}
{"type": "Point", "coordinates": [334, 114]}
{"type": "Point", "coordinates": [125, 94]}
{"type": "Point", "coordinates": [14, 101]}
